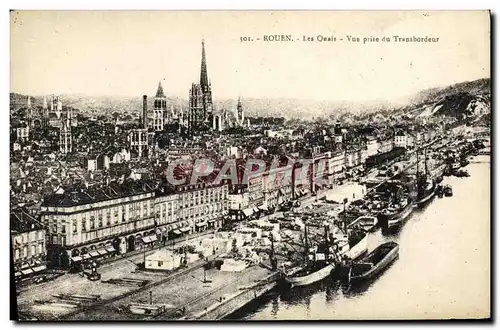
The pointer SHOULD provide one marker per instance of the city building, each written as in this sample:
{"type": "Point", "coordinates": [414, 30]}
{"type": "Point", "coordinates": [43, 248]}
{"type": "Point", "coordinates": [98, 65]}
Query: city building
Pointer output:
{"type": "Point", "coordinates": [28, 244]}
{"type": "Point", "coordinates": [22, 132]}
{"type": "Point", "coordinates": [96, 222]}
{"type": "Point", "coordinates": [195, 207]}
{"type": "Point", "coordinates": [403, 139]}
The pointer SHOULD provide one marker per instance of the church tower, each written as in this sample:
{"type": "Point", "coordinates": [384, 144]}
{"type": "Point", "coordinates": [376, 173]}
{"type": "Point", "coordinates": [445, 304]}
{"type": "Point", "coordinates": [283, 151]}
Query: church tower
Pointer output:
{"type": "Point", "coordinates": [196, 119]}
{"type": "Point", "coordinates": [29, 114]}
{"type": "Point", "coordinates": [45, 113]}
{"type": "Point", "coordinates": [200, 99]}
{"type": "Point", "coordinates": [65, 141]}
{"type": "Point", "coordinates": [240, 114]}
{"type": "Point", "coordinates": [56, 106]}
{"type": "Point", "coordinates": [159, 109]}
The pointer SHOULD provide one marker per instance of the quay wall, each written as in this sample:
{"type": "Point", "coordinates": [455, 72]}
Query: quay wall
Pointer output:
{"type": "Point", "coordinates": [237, 300]}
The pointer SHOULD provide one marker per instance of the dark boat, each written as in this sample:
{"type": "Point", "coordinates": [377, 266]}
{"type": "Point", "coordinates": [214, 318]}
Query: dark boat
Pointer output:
{"type": "Point", "coordinates": [461, 173]}
{"type": "Point", "coordinates": [448, 191]}
{"type": "Point", "coordinates": [397, 213]}
{"type": "Point", "coordinates": [439, 191]}
{"type": "Point", "coordinates": [374, 262]}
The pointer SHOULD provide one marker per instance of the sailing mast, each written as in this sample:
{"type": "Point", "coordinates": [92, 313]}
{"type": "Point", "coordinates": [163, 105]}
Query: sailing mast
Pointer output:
{"type": "Point", "coordinates": [306, 245]}
{"type": "Point", "coordinates": [418, 163]}
{"type": "Point", "coordinates": [418, 175]}
{"type": "Point", "coordinates": [425, 162]}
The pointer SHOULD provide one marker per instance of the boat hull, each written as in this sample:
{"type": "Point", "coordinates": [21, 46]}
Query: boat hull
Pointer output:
{"type": "Point", "coordinates": [310, 278]}
{"type": "Point", "coordinates": [367, 226]}
{"type": "Point", "coordinates": [359, 249]}
{"type": "Point", "coordinates": [399, 218]}
{"type": "Point", "coordinates": [391, 256]}
{"type": "Point", "coordinates": [423, 201]}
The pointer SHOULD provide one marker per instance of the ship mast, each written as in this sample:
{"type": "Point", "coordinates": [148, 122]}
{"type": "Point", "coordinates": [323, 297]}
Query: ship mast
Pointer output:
{"type": "Point", "coordinates": [306, 245]}
{"type": "Point", "coordinates": [418, 161]}
{"type": "Point", "coordinates": [425, 162]}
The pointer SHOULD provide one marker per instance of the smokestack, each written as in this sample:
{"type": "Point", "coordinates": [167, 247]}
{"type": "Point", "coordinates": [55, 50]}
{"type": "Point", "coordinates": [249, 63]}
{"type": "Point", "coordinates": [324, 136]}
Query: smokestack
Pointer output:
{"type": "Point", "coordinates": [145, 111]}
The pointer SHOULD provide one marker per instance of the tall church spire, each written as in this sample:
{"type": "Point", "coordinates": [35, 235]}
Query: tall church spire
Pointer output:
{"type": "Point", "coordinates": [159, 92]}
{"type": "Point", "coordinates": [204, 74]}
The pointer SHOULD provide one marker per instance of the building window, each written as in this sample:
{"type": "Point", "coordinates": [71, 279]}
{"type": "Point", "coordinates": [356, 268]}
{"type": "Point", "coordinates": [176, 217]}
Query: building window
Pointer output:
{"type": "Point", "coordinates": [54, 229]}
{"type": "Point", "coordinates": [84, 225]}
{"type": "Point", "coordinates": [40, 248]}
{"type": "Point", "coordinates": [25, 250]}
{"type": "Point", "coordinates": [63, 229]}
{"type": "Point", "coordinates": [92, 222]}
{"type": "Point", "coordinates": [17, 253]}
{"type": "Point", "coordinates": [75, 229]}
{"type": "Point", "coordinates": [100, 221]}
{"type": "Point", "coordinates": [160, 263]}
{"type": "Point", "coordinates": [108, 219]}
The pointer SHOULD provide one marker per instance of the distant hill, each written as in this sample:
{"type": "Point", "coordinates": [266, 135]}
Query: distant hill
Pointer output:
{"type": "Point", "coordinates": [450, 100]}
{"type": "Point", "coordinates": [279, 107]}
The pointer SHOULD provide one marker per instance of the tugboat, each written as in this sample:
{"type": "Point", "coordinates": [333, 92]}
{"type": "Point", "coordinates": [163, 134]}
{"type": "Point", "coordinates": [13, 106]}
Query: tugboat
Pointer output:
{"type": "Point", "coordinates": [398, 212]}
{"type": "Point", "coordinates": [319, 263]}
{"type": "Point", "coordinates": [426, 186]}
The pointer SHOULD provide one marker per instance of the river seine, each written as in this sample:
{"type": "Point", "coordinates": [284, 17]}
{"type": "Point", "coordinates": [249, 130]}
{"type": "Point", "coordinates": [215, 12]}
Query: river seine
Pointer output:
{"type": "Point", "coordinates": [443, 269]}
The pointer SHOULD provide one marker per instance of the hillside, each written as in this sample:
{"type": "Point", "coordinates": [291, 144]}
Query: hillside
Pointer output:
{"type": "Point", "coordinates": [476, 87]}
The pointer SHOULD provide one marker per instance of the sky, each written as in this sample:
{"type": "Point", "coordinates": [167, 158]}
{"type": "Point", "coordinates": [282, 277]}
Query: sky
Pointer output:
{"type": "Point", "coordinates": [128, 52]}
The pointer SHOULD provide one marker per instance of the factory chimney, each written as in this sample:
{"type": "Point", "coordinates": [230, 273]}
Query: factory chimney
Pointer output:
{"type": "Point", "coordinates": [145, 111]}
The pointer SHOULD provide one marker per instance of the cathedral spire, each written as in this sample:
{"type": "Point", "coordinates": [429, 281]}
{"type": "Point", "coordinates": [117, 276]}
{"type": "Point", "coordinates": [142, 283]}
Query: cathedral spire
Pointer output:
{"type": "Point", "coordinates": [45, 102]}
{"type": "Point", "coordinates": [159, 92]}
{"type": "Point", "coordinates": [204, 74]}
{"type": "Point", "coordinates": [29, 102]}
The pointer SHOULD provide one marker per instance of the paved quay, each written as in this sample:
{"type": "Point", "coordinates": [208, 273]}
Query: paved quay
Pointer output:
{"type": "Point", "coordinates": [187, 291]}
{"type": "Point", "coordinates": [32, 298]}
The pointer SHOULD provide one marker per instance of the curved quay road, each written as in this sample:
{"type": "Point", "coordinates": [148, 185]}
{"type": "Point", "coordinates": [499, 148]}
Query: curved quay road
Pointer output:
{"type": "Point", "coordinates": [443, 270]}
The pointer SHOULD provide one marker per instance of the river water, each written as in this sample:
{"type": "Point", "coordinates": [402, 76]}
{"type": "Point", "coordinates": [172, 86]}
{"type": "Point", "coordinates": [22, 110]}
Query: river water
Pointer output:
{"type": "Point", "coordinates": [443, 269]}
